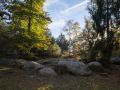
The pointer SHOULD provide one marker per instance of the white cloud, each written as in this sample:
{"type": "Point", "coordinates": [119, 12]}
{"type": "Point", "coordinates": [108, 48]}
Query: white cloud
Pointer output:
{"type": "Point", "coordinates": [64, 12]}
{"type": "Point", "coordinates": [50, 2]}
{"type": "Point", "coordinates": [57, 24]}
{"type": "Point", "coordinates": [75, 7]}
{"type": "Point", "coordinates": [56, 27]}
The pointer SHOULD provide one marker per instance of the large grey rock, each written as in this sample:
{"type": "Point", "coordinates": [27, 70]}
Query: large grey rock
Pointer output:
{"type": "Point", "coordinates": [20, 63]}
{"type": "Point", "coordinates": [95, 66]}
{"type": "Point", "coordinates": [47, 71]}
{"type": "Point", "coordinates": [31, 65]}
{"type": "Point", "coordinates": [95, 63]}
{"type": "Point", "coordinates": [76, 67]}
{"type": "Point", "coordinates": [48, 62]}
{"type": "Point", "coordinates": [115, 60]}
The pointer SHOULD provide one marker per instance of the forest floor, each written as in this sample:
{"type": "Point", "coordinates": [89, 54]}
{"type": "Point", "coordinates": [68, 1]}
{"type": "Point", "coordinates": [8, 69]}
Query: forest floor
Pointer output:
{"type": "Point", "coordinates": [16, 79]}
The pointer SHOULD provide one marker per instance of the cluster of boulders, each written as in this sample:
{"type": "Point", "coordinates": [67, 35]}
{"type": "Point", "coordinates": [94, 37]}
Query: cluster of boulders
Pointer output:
{"type": "Point", "coordinates": [58, 67]}
{"type": "Point", "coordinates": [40, 69]}
{"type": "Point", "coordinates": [54, 67]}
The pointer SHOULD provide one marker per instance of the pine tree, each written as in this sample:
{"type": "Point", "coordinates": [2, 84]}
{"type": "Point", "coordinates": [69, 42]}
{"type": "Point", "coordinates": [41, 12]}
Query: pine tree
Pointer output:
{"type": "Point", "coordinates": [104, 19]}
{"type": "Point", "coordinates": [62, 42]}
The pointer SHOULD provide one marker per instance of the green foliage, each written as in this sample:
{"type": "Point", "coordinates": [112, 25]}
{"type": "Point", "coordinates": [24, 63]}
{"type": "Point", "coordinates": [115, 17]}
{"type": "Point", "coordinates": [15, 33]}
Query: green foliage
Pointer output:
{"type": "Point", "coordinates": [54, 50]}
{"type": "Point", "coordinates": [27, 34]}
{"type": "Point", "coordinates": [105, 15]}
{"type": "Point", "coordinates": [116, 50]}
{"type": "Point", "coordinates": [87, 40]}
{"type": "Point", "coordinates": [62, 42]}
{"type": "Point", "coordinates": [72, 30]}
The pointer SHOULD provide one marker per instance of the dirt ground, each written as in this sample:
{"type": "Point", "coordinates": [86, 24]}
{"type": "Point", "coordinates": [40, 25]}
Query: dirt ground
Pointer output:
{"type": "Point", "coordinates": [16, 79]}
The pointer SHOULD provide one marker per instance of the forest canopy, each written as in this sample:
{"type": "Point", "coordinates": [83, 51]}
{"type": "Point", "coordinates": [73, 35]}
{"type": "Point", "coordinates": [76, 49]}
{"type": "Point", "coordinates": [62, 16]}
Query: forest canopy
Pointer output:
{"type": "Point", "coordinates": [24, 31]}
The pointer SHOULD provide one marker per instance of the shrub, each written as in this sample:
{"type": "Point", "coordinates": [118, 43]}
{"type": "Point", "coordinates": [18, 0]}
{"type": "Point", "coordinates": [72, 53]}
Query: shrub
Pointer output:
{"type": "Point", "coordinates": [54, 50]}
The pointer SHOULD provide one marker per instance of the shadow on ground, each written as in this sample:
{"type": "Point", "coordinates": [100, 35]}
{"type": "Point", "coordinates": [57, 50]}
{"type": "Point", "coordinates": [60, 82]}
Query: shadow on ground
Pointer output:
{"type": "Point", "coordinates": [16, 79]}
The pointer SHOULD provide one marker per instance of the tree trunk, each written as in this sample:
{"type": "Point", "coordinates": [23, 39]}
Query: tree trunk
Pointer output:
{"type": "Point", "coordinates": [29, 25]}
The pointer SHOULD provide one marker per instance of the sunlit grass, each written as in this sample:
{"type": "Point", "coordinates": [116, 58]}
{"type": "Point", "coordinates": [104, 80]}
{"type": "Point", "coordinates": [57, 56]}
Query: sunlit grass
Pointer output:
{"type": "Point", "coordinates": [46, 87]}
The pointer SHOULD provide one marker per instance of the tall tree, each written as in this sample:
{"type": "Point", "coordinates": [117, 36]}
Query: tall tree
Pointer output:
{"type": "Point", "coordinates": [104, 18]}
{"type": "Point", "coordinates": [72, 29]}
{"type": "Point", "coordinates": [68, 29]}
{"type": "Point", "coordinates": [87, 40]}
{"type": "Point", "coordinates": [62, 42]}
{"type": "Point", "coordinates": [76, 43]}
{"type": "Point", "coordinates": [28, 25]}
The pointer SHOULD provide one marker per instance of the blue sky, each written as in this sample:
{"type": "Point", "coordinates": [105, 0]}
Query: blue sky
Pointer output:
{"type": "Point", "coordinates": [61, 11]}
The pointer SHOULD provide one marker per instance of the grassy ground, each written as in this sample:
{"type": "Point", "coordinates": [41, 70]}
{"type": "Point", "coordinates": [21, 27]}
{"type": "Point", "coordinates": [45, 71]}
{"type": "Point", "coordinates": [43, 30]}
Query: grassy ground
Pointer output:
{"type": "Point", "coordinates": [15, 79]}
